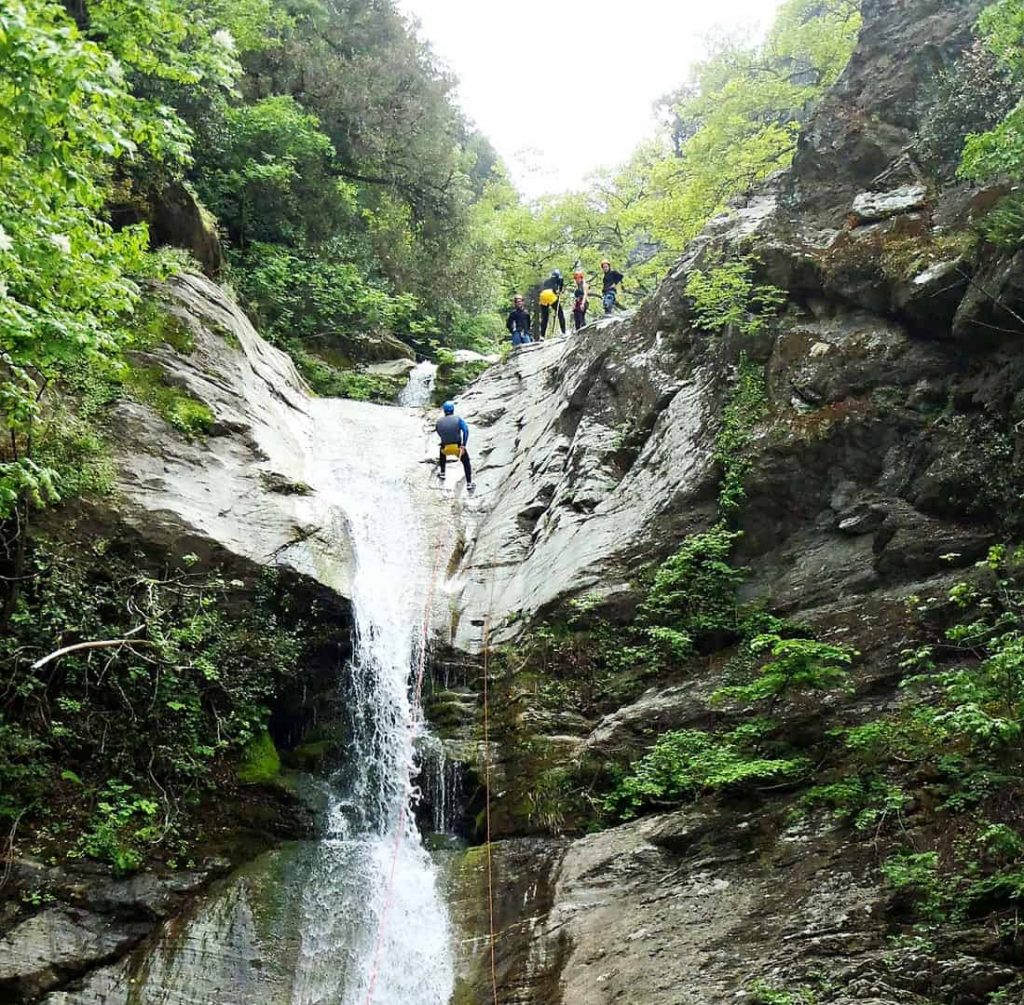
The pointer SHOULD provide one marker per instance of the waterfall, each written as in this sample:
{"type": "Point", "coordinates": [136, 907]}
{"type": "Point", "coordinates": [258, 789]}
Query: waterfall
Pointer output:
{"type": "Point", "coordinates": [417, 393]}
{"type": "Point", "coordinates": [372, 909]}
{"type": "Point", "coordinates": [312, 922]}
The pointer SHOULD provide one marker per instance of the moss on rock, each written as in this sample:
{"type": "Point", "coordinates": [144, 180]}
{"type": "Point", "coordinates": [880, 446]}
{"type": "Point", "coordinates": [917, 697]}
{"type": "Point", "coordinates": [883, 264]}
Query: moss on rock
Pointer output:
{"type": "Point", "coordinates": [261, 763]}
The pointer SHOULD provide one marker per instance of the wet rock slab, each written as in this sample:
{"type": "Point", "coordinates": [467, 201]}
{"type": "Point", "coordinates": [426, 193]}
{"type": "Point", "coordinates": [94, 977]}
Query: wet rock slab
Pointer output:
{"type": "Point", "coordinates": [237, 946]}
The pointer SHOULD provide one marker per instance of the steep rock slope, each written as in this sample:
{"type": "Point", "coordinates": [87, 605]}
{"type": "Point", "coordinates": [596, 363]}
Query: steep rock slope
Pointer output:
{"type": "Point", "coordinates": [244, 485]}
{"type": "Point", "coordinates": [597, 453]}
{"type": "Point", "coordinates": [886, 459]}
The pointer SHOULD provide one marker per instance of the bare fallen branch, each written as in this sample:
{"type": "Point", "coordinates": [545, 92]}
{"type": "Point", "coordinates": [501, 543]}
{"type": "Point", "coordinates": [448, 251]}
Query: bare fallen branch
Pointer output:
{"type": "Point", "coordinates": [79, 646]}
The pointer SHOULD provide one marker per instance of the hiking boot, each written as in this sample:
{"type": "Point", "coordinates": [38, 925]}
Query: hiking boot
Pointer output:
{"type": "Point", "coordinates": [471, 488]}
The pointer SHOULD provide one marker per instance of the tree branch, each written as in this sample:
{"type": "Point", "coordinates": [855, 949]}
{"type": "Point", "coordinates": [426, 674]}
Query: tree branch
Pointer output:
{"type": "Point", "coordinates": [79, 646]}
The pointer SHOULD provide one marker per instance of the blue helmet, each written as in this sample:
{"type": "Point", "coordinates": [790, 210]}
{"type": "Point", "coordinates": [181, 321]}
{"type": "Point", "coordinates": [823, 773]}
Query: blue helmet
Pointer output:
{"type": "Point", "coordinates": [449, 407]}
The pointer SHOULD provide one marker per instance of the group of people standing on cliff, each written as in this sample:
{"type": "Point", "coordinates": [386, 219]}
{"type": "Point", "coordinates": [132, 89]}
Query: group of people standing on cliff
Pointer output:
{"type": "Point", "coordinates": [519, 321]}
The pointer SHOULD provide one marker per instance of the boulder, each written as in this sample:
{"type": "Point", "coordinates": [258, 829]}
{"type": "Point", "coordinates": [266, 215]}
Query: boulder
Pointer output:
{"type": "Point", "coordinates": [57, 944]}
{"type": "Point", "coordinates": [869, 207]}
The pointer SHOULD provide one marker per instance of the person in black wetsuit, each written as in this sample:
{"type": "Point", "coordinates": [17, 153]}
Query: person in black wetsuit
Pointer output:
{"type": "Point", "coordinates": [454, 432]}
{"type": "Point", "coordinates": [555, 283]}
{"type": "Point", "coordinates": [518, 322]}
{"type": "Point", "coordinates": [579, 300]}
{"type": "Point", "coordinates": [609, 286]}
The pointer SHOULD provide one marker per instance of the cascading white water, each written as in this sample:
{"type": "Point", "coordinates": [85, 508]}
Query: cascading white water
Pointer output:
{"type": "Point", "coordinates": [373, 914]}
{"type": "Point", "coordinates": [417, 393]}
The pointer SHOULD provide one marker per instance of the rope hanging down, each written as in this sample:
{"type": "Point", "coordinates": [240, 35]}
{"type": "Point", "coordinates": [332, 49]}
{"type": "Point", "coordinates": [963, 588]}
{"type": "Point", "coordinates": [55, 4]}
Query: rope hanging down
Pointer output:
{"type": "Point", "coordinates": [487, 797]}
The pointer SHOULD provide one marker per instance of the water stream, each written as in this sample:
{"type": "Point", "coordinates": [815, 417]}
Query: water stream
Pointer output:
{"type": "Point", "coordinates": [373, 913]}
{"type": "Point", "coordinates": [418, 391]}
{"type": "Point", "coordinates": [355, 917]}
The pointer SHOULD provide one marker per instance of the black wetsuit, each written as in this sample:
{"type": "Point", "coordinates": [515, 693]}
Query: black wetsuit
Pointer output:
{"type": "Point", "coordinates": [453, 430]}
{"type": "Point", "coordinates": [556, 284]}
{"type": "Point", "coordinates": [609, 281]}
{"type": "Point", "coordinates": [519, 321]}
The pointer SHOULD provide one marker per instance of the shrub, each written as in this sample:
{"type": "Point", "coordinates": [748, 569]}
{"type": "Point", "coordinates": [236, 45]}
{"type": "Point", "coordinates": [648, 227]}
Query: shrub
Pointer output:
{"type": "Point", "coordinates": [694, 591]}
{"type": "Point", "coordinates": [793, 665]}
{"type": "Point", "coordinates": [726, 296]}
{"type": "Point", "coordinates": [683, 764]}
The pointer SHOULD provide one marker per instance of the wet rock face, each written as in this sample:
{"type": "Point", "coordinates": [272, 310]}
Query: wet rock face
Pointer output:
{"type": "Point", "coordinates": [889, 458]}
{"type": "Point", "coordinates": [56, 945]}
{"type": "Point", "coordinates": [527, 968]}
{"type": "Point", "coordinates": [244, 489]}
{"type": "Point", "coordinates": [596, 454]}
{"type": "Point", "coordinates": [858, 139]}
{"type": "Point", "coordinates": [175, 218]}
{"type": "Point", "coordinates": [584, 451]}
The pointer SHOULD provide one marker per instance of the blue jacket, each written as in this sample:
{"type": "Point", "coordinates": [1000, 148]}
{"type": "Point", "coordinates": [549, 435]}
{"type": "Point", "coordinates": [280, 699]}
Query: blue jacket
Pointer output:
{"type": "Point", "coordinates": [452, 429]}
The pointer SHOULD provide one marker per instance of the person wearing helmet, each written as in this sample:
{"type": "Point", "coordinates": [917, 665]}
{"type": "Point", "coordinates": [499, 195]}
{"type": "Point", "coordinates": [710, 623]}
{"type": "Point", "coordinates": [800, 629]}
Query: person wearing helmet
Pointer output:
{"type": "Point", "coordinates": [609, 286]}
{"type": "Point", "coordinates": [554, 284]}
{"type": "Point", "coordinates": [518, 322]}
{"type": "Point", "coordinates": [454, 435]}
{"type": "Point", "coordinates": [580, 300]}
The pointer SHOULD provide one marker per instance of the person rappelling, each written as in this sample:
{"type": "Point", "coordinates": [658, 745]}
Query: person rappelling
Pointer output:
{"type": "Point", "coordinates": [454, 434]}
{"type": "Point", "coordinates": [518, 322]}
{"type": "Point", "coordinates": [551, 297]}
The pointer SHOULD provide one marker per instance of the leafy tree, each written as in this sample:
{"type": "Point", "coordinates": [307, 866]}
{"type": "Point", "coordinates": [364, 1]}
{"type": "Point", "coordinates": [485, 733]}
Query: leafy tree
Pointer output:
{"type": "Point", "coordinates": [685, 763]}
{"type": "Point", "coordinates": [268, 175]}
{"type": "Point", "coordinates": [733, 123]}
{"type": "Point", "coordinates": [65, 115]}
{"type": "Point", "coordinates": [727, 297]}
{"type": "Point", "coordinates": [999, 152]}
{"type": "Point", "coordinates": [793, 665]}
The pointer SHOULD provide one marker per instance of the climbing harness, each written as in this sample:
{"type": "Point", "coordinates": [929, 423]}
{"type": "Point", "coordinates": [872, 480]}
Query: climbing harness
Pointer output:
{"type": "Point", "coordinates": [415, 718]}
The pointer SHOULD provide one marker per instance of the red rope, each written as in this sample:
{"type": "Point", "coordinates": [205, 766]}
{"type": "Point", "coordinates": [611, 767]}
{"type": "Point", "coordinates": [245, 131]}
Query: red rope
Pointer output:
{"type": "Point", "coordinates": [487, 790]}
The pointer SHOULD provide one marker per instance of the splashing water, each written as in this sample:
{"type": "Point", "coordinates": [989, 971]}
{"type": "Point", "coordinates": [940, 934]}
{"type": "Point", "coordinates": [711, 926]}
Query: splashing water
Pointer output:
{"type": "Point", "coordinates": [417, 393]}
{"type": "Point", "coordinates": [373, 915]}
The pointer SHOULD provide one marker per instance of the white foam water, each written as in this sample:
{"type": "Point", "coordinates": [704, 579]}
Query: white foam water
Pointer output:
{"type": "Point", "coordinates": [374, 925]}
{"type": "Point", "coordinates": [417, 393]}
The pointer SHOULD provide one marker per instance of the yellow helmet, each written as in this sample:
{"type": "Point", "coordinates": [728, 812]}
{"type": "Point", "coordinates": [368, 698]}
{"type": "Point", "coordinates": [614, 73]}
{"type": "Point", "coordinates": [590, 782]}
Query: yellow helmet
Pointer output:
{"type": "Point", "coordinates": [547, 298]}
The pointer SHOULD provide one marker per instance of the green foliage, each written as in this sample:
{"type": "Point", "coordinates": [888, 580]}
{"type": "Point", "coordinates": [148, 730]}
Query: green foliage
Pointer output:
{"type": "Point", "coordinates": [332, 382]}
{"type": "Point", "coordinates": [694, 591]}
{"type": "Point", "coordinates": [304, 297]}
{"type": "Point", "coordinates": [999, 151]}
{"type": "Point", "coordinates": [185, 413]}
{"type": "Point", "coordinates": [268, 176]}
{"type": "Point", "coordinates": [764, 993]}
{"type": "Point", "coordinates": [864, 802]}
{"type": "Point", "coordinates": [261, 762]}
{"type": "Point", "coordinates": [153, 719]}
{"type": "Point", "coordinates": [955, 748]}
{"type": "Point", "coordinates": [453, 378]}
{"type": "Point", "coordinates": [686, 763]}
{"type": "Point", "coordinates": [747, 407]}
{"type": "Point", "coordinates": [971, 97]}
{"type": "Point", "coordinates": [122, 825]}
{"type": "Point", "coordinates": [65, 116]}
{"type": "Point", "coordinates": [1004, 225]}
{"type": "Point", "coordinates": [727, 297]}
{"type": "Point", "coordinates": [794, 665]}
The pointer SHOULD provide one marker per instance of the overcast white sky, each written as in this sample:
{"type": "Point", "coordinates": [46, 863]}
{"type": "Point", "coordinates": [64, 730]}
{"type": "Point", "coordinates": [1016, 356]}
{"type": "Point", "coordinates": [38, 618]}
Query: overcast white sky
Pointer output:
{"type": "Point", "coordinates": [561, 89]}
